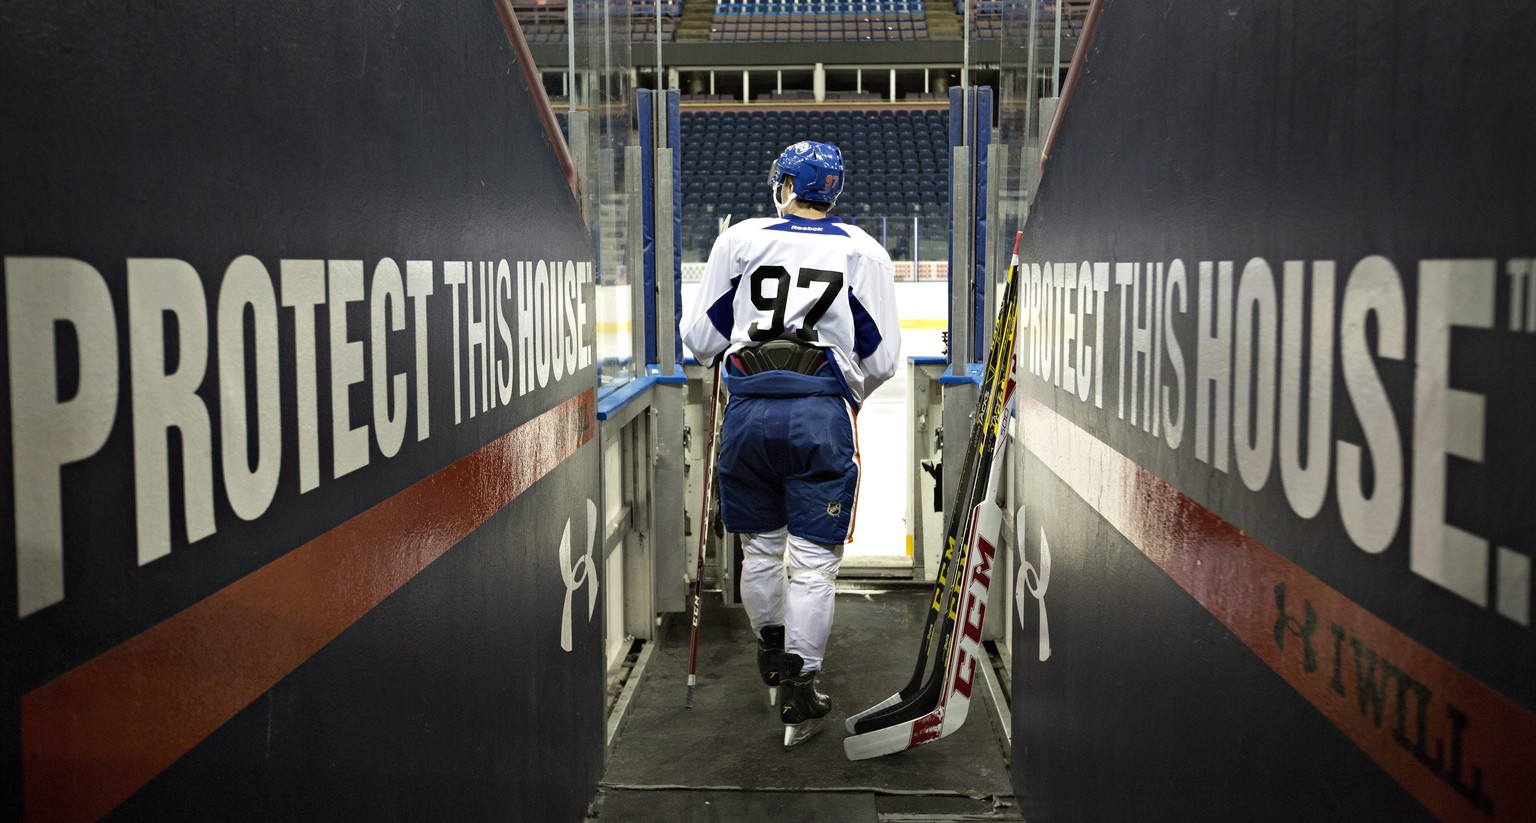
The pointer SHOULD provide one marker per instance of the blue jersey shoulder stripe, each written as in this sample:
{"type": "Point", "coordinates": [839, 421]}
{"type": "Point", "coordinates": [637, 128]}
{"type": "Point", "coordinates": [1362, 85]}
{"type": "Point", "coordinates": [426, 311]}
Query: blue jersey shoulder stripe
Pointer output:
{"type": "Point", "coordinates": [801, 225]}
{"type": "Point", "coordinates": [722, 314]}
{"type": "Point", "coordinates": [866, 335]}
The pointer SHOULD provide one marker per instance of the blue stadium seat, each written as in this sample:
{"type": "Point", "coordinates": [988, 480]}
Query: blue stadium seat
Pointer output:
{"type": "Point", "coordinates": [893, 168]}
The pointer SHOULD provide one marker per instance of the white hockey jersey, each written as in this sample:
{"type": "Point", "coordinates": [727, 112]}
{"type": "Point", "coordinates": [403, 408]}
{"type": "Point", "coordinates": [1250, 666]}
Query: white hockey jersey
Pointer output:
{"type": "Point", "coordinates": [825, 280]}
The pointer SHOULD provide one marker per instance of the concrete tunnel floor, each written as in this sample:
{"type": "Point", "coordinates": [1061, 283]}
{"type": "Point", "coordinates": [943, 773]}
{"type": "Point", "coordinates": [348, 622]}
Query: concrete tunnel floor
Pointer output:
{"type": "Point", "coordinates": [724, 759]}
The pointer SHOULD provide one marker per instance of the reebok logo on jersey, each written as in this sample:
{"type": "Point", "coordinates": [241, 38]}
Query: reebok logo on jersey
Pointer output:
{"type": "Point", "coordinates": [807, 228]}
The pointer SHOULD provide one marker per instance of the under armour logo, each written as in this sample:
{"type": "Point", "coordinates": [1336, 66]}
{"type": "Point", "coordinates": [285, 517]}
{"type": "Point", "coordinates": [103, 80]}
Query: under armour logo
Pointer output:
{"type": "Point", "coordinates": [834, 509]}
{"type": "Point", "coordinates": [578, 574]}
{"type": "Point", "coordinates": [1034, 581]}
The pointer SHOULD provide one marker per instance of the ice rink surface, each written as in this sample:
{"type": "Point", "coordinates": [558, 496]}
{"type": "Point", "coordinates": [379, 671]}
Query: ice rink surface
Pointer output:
{"type": "Point", "coordinates": [880, 527]}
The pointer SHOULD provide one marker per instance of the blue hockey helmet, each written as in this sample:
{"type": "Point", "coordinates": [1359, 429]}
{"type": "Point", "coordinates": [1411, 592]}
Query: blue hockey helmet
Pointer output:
{"type": "Point", "coordinates": [817, 169]}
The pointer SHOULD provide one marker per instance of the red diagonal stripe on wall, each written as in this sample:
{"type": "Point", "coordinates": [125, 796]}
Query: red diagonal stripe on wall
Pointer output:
{"type": "Point", "coordinates": [1475, 765]}
{"type": "Point", "coordinates": [95, 735]}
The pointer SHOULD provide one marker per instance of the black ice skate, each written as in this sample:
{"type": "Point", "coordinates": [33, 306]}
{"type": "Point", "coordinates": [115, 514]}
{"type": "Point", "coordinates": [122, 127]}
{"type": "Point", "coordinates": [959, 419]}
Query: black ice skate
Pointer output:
{"type": "Point", "coordinates": [801, 706]}
{"type": "Point", "coordinates": [770, 646]}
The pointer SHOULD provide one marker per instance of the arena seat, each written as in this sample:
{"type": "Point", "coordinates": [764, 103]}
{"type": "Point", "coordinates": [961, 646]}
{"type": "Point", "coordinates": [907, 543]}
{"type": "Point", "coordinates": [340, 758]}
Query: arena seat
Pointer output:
{"type": "Point", "coordinates": [643, 19]}
{"type": "Point", "coordinates": [817, 20]}
{"type": "Point", "coordinates": [988, 21]}
{"type": "Point", "coordinates": [897, 165]}
{"type": "Point", "coordinates": [544, 21]}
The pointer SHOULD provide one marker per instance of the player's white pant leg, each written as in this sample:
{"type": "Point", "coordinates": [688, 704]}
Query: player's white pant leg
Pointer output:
{"type": "Point", "coordinates": [808, 607]}
{"type": "Point", "coordinates": [762, 578]}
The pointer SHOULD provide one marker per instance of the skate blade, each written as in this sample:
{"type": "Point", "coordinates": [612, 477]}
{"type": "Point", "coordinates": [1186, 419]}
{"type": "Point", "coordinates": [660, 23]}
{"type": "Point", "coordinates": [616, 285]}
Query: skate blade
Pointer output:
{"type": "Point", "coordinates": [797, 733]}
{"type": "Point", "coordinates": [773, 699]}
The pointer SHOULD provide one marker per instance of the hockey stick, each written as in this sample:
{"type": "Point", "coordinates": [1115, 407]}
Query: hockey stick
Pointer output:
{"type": "Point", "coordinates": [960, 662]}
{"type": "Point", "coordinates": [708, 484]}
{"type": "Point", "coordinates": [943, 705]}
{"type": "Point", "coordinates": [964, 493]}
{"type": "Point", "coordinates": [918, 695]}
{"type": "Point", "coordinates": [965, 496]}
{"type": "Point", "coordinates": [990, 398]}
{"type": "Point", "coordinates": [698, 576]}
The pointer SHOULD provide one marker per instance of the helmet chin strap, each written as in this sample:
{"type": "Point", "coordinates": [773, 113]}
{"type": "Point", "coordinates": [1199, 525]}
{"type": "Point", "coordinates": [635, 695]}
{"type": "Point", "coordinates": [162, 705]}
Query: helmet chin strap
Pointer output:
{"type": "Point", "coordinates": [779, 206]}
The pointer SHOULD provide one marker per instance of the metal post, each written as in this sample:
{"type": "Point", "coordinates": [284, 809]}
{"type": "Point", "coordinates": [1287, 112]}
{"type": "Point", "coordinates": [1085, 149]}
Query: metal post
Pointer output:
{"type": "Point", "coordinates": [578, 136]}
{"type": "Point", "coordinates": [1056, 63]}
{"type": "Point", "coordinates": [1029, 74]}
{"type": "Point", "coordinates": [965, 54]}
{"type": "Point", "coordinates": [666, 321]}
{"type": "Point", "coordinates": [917, 257]}
{"type": "Point", "coordinates": [570, 56]}
{"type": "Point", "coordinates": [639, 561]}
{"type": "Point", "coordinates": [997, 161]}
{"type": "Point", "coordinates": [961, 271]}
{"type": "Point", "coordinates": [635, 254]}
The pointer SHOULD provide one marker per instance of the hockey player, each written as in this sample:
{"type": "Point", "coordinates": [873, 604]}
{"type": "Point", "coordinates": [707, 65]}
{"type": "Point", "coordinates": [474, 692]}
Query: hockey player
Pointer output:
{"type": "Point", "coordinates": [802, 308]}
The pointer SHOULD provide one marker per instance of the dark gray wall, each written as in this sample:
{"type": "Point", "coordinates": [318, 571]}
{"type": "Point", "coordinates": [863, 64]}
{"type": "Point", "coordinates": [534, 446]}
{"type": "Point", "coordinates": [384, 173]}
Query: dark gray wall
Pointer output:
{"type": "Point", "coordinates": [289, 131]}
{"type": "Point", "coordinates": [1231, 639]}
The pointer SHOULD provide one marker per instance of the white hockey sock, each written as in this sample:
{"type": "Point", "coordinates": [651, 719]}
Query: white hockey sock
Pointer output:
{"type": "Point", "coordinates": [811, 598]}
{"type": "Point", "coordinates": [762, 578]}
